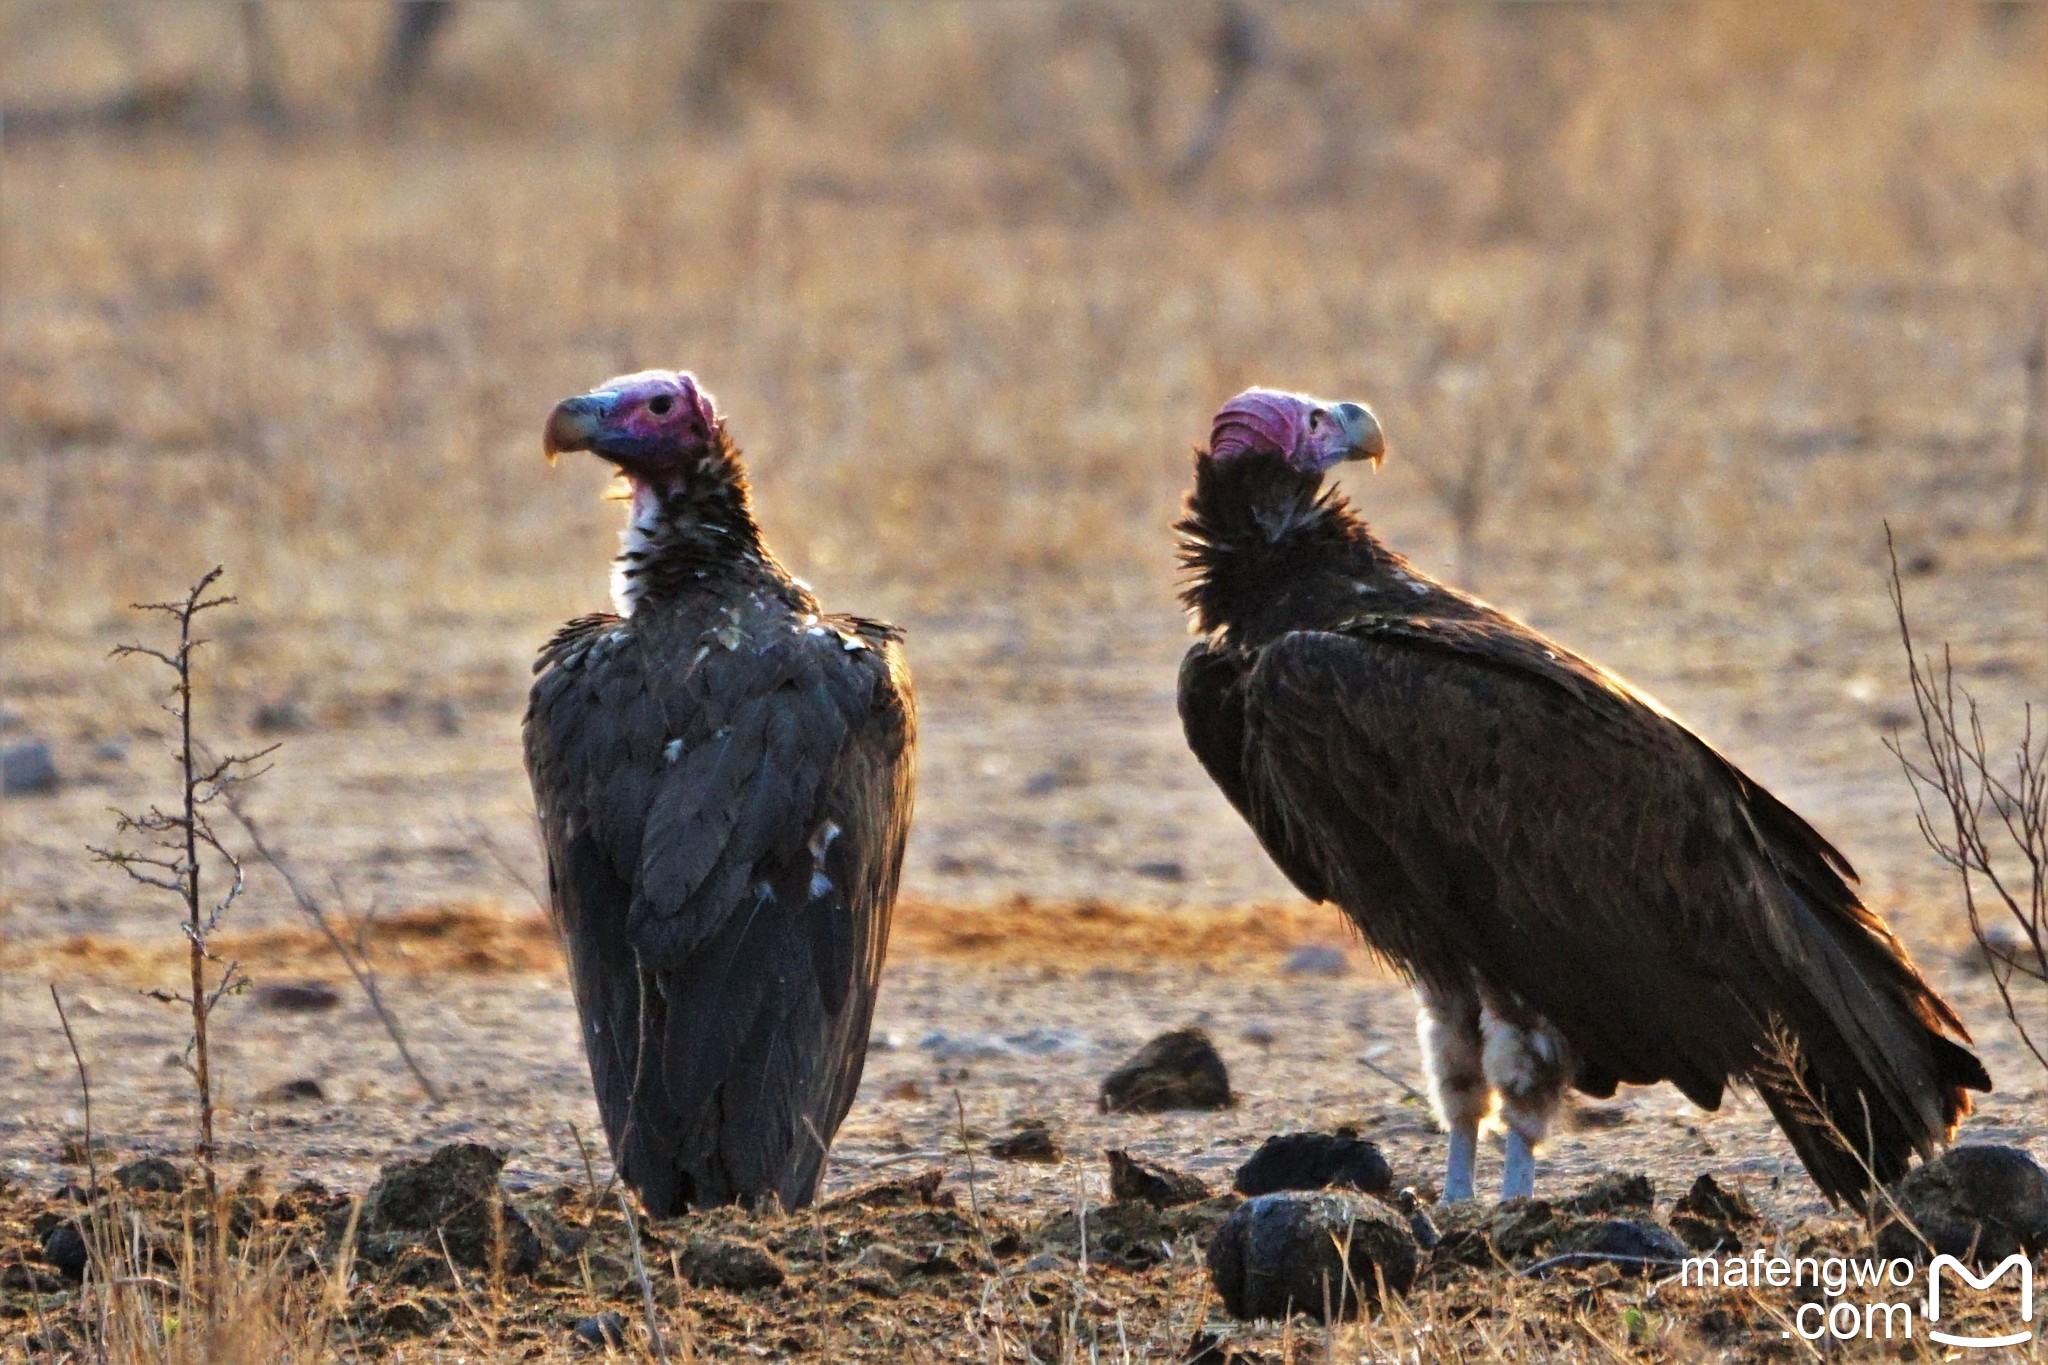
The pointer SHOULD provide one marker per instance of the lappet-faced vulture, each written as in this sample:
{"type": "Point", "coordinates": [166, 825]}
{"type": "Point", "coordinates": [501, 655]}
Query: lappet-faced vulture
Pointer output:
{"type": "Point", "coordinates": [723, 776]}
{"type": "Point", "coordinates": [1583, 891]}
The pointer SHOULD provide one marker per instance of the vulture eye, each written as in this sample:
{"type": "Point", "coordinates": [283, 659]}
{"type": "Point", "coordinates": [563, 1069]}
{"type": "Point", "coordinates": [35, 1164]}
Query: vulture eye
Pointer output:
{"type": "Point", "coordinates": [660, 404]}
{"type": "Point", "coordinates": [1315, 419]}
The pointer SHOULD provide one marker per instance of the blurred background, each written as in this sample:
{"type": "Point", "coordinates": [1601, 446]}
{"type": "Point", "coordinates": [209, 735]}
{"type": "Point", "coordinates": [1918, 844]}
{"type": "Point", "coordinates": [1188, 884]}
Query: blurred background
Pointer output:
{"type": "Point", "coordinates": [1666, 309]}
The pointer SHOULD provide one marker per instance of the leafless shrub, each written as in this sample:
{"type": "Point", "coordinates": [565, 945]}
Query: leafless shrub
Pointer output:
{"type": "Point", "coordinates": [1984, 812]}
{"type": "Point", "coordinates": [178, 843]}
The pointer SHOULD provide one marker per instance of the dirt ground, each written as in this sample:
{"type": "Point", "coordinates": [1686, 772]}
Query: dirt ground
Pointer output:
{"type": "Point", "coordinates": [1075, 887]}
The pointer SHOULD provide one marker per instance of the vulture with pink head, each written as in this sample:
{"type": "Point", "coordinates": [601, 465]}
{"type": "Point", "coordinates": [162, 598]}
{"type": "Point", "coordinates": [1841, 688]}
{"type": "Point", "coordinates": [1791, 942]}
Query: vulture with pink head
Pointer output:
{"type": "Point", "coordinates": [722, 772]}
{"type": "Point", "coordinates": [1583, 892]}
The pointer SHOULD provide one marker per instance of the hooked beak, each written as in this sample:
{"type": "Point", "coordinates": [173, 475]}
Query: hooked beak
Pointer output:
{"type": "Point", "coordinates": [1362, 431]}
{"type": "Point", "coordinates": [576, 423]}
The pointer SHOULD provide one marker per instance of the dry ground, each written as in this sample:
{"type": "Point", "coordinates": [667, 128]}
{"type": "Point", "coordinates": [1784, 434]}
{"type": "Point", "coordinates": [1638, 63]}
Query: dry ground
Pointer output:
{"type": "Point", "coordinates": [1690, 300]}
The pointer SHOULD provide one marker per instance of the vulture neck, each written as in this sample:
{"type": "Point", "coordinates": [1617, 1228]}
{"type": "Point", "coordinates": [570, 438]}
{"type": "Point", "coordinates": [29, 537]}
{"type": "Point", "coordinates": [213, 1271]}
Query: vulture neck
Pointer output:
{"type": "Point", "coordinates": [1268, 549]}
{"type": "Point", "coordinates": [692, 536]}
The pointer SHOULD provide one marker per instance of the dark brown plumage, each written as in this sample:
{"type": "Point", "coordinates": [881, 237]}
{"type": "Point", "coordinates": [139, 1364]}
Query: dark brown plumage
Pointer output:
{"type": "Point", "coordinates": [1583, 890]}
{"type": "Point", "coordinates": [723, 777]}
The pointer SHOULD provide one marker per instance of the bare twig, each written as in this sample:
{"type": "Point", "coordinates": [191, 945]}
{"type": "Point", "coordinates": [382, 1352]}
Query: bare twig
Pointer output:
{"type": "Point", "coordinates": [92, 1164]}
{"type": "Point", "coordinates": [655, 1346]}
{"type": "Point", "coordinates": [1986, 819]}
{"type": "Point", "coordinates": [352, 957]}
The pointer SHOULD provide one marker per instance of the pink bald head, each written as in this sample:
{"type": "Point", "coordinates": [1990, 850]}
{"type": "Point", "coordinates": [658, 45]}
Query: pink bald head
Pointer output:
{"type": "Point", "coordinates": [1309, 434]}
{"type": "Point", "coordinates": [650, 424]}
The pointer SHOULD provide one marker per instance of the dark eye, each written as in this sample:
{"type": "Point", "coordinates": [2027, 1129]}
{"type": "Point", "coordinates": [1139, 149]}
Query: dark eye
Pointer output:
{"type": "Point", "coordinates": [660, 404]}
{"type": "Point", "coordinates": [1315, 419]}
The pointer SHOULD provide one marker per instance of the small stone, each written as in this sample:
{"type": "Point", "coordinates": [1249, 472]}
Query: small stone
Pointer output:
{"type": "Point", "coordinates": [1314, 1161]}
{"type": "Point", "coordinates": [1420, 1224]}
{"type": "Point", "coordinates": [294, 1091]}
{"type": "Point", "coordinates": [1160, 1186]}
{"type": "Point", "coordinates": [1629, 1245]}
{"type": "Point", "coordinates": [296, 997]}
{"type": "Point", "coordinates": [1163, 871]}
{"type": "Point", "coordinates": [604, 1329]}
{"type": "Point", "coordinates": [1285, 1253]}
{"type": "Point", "coordinates": [28, 769]}
{"type": "Point", "coordinates": [450, 1198]}
{"type": "Point", "coordinates": [1317, 959]}
{"type": "Point", "coordinates": [1981, 1201]}
{"type": "Point", "coordinates": [730, 1263]}
{"type": "Point", "coordinates": [282, 717]}
{"type": "Point", "coordinates": [1030, 1141]}
{"type": "Point", "coordinates": [1178, 1070]}
{"type": "Point", "coordinates": [411, 1317]}
{"type": "Point", "coordinates": [1710, 1218]}
{"type": "Point", "coordinates": [64, 1247]}
{"type": "Point", "coordinates": [1259, 1034]}
{"type": "Point", "coordinates": [1612, 1190]}
{"type": "Point", "coordinates": [151, 1175]}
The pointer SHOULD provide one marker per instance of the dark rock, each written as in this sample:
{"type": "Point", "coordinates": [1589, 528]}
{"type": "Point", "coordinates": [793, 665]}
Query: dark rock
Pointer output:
{"type": "Point", "coordinates": [1710, 1218]}
{"type": "Point", "coordinates": [294, 1091]}
{"type": "Point", "coordinates": [1475, 1237]}
{"type": "Point", "coordinates": [64, 1247]}
{"type": "Point", "coordinates": [1207, 1348]}
{"type": "Point", "coordinates": [1420, 1224]}
{"type": "Point", "coordinates": [1981, 1202]}
{"type": "Point", "coordinates": [1317, 959]}
{"type": "Point", "coordinates": [451, 1196]}
{"type": "Point", "coordinates": [1610, 1191]}
{"type": "Point", "coordinates": [1162, 1187]}
{"type": "Point", "coordinates": [917, 1191]}
{"type": "Point", "coordinates": [1314, 1161]}
{"type": "Point", "coordinates": [731, 1263]}
{"type": "Point", "coordinates": [284, 717]}
{"type": "Point", "coordinates": [151, 1175]}
{"type": "Point", "coordinates": [412, 1317]}
{"type": "Point", "coordinates": [31, 1279]}
{"type": "Point", "coordinates": [1162, 871]}
{"type": "Point", "coordinates": [1028, 1142]}
{"type": "Point", "coordinates": [1129, 1234]}
{"type": "Point", "coordinates": [296, 997]}
{"type": "Point", "coordinates": [1286, 1253]}
{"type": "Point", "coordinates": [605, 1329]}
{"type": "Point", "coordinates": [1632, 1246]}
{"type": "Point", "coordinates": [1178, 1070]}
{"type": "Point", "coordinates": [28, 769]}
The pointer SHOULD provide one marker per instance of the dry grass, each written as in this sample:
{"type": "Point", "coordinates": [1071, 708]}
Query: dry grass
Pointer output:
{"type": "Point", "coordinates": [1785, 266]}
{"type": "Point", "coordinates": [482, 938]}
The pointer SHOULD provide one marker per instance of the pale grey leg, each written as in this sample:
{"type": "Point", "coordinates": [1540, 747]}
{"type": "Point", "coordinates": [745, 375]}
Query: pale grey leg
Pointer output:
{"type": "Point", "coordinates": [1529, 1064]}
{"type": "Point", "coordinates": [1518, 1171]}
{"type": "Point", "coordinates": [1447, 1025]}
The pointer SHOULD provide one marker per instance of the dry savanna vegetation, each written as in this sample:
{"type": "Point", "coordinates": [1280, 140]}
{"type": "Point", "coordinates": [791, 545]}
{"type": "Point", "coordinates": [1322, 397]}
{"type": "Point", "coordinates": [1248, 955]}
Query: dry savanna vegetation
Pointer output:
{"type": "Point", "coordinates": [1668, 311]}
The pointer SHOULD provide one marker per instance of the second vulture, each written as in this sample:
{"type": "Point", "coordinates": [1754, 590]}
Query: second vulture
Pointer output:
{"type": "Point", "coordinates": [1583, 891]}
{"type": "Point", "coordinates": [722, 773]}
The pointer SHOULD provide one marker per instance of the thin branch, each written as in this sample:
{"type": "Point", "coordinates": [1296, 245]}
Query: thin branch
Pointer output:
{"type": "Point", "coordinates": [92, 1165]}
{"type": "Point", "coordinates": [357, 961]}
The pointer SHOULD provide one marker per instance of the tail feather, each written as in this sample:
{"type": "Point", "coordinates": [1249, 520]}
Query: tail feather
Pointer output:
{"type": "Point", "coordinates": [1848, 1135]}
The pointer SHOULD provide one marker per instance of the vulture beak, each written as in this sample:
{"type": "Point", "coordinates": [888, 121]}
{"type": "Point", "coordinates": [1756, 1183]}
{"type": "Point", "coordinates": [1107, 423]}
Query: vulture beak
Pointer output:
{"type": "Point", "coordinates": [1362, 429]}
{"type": "Point", "coordinates": [576, 423]}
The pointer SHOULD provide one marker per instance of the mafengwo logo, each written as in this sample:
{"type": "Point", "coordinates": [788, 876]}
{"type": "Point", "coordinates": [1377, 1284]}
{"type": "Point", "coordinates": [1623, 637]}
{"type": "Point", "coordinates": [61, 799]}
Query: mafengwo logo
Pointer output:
{"type": "Point", "coordinates": [2017, 1260]}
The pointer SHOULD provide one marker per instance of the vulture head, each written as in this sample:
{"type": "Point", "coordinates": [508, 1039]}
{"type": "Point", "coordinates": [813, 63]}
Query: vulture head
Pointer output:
{"type": "Point", "coordinates": [1308, 434]}
{"type": "Point", "coordinates": [656, 426]}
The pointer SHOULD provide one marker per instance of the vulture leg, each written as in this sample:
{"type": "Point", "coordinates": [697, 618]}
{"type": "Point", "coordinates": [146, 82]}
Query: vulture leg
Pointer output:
{"type": "Point", "coordinates": [1529, 1064]}
{"type": "Point", "coordinates": [1447, 1024]}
